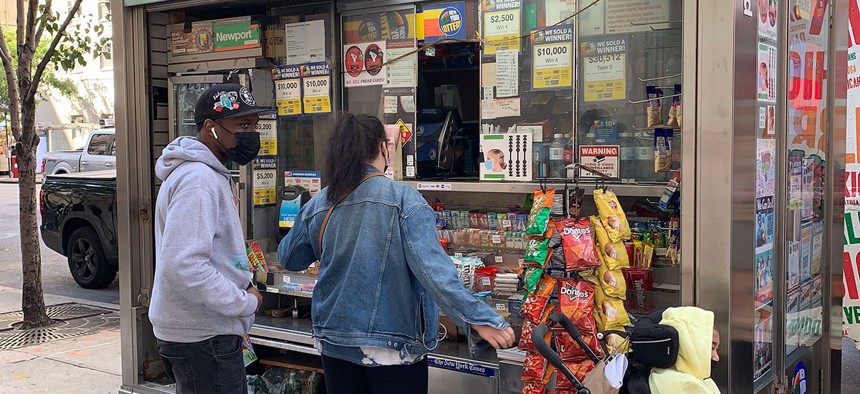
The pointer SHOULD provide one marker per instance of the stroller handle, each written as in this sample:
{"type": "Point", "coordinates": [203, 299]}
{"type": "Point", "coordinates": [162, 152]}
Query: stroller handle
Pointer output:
{"type": "Point", "coordinates": [560, 318]}
{"type": "Point", "coordinates": [546, 351]}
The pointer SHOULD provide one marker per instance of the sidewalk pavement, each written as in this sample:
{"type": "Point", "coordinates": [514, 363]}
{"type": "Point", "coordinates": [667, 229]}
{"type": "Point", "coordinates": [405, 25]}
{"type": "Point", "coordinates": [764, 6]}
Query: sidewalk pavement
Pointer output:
{"type": "Point", "coordinates": [86, 364]}
{"type": "Point", "coordinates": [7, 179]}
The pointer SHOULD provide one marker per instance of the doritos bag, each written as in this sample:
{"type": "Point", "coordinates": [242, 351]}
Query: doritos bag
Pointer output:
{"type": "Point", "coordinates": [578, 244]}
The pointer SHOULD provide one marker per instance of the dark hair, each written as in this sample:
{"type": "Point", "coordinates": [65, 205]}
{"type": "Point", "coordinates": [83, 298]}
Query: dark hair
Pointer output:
{"type": "Point", "coordinates": [355, 142]}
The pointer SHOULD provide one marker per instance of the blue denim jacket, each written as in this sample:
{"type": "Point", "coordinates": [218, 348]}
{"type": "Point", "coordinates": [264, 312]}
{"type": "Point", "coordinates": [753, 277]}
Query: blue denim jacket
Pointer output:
{"type": "Point", "coordinates": [382, 270]}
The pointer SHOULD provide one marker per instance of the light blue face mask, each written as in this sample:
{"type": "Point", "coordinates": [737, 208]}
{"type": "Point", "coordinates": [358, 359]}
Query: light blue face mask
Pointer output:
{"type": "Point", "coordinates": [488, 164]}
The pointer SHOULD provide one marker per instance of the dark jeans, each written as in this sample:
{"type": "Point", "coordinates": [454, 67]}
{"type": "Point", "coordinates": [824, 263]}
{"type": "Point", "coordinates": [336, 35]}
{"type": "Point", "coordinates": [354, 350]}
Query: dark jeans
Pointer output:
{"type": "Point", "coordinates": [213, 366]}
{"type": "Point", "coordinates": [344, 377]}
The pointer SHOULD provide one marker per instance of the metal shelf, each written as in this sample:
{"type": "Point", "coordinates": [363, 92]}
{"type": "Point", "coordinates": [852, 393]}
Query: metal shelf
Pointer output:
{"type": "Point", "coordinates": [620, 189]}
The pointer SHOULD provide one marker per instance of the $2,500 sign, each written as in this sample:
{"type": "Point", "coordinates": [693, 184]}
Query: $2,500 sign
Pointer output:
{"type": "Point", "coordinates": [553, 57]}
{"type": "Point", "coordinates": [501, 25]}
{"type": "Point", "coordinates": [265, 183]}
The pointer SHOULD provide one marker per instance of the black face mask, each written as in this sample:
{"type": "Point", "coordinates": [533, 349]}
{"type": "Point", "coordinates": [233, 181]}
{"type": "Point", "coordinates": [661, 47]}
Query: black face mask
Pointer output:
{"type": "Point", "coordinates": [246, 149]}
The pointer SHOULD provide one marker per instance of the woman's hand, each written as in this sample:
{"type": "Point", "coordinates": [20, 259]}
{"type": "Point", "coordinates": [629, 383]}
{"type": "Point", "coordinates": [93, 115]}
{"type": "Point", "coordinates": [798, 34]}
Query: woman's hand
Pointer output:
{"type": "Point", "coordinates": [499, 339]}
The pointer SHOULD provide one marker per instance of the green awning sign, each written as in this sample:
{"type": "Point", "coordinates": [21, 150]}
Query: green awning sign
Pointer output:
{"type": "Point", "coordinates": [230, 36]}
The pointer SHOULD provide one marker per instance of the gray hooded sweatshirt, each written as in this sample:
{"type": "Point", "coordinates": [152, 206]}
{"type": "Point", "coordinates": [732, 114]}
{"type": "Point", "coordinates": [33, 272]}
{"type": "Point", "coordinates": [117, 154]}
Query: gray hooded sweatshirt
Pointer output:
{"type": "Point", "coordinates": [201, 267]}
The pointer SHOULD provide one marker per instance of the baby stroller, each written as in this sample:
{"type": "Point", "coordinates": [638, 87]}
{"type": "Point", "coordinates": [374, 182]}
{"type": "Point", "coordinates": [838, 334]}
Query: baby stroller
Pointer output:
{"type": "Point", "coordinates": [608, 372]}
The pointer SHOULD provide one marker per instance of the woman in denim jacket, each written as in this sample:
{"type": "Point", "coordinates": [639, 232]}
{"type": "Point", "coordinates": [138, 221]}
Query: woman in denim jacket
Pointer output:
{"type": "Point", "coordinates": [382, 271]}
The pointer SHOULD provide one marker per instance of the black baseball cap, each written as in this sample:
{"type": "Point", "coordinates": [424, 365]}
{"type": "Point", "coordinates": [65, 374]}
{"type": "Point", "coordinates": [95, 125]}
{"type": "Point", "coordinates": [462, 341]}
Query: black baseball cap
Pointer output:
{"type": "Point", "coordinates": [226, 101]}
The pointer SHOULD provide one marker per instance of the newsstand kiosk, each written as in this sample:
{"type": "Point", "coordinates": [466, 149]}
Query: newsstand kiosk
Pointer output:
{"type": "Point", "coordinates": [719, 126]}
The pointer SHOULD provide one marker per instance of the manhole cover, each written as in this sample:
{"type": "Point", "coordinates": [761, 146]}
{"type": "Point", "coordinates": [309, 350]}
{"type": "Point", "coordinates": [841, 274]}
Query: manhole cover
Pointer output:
{"type": "Point", "coordinates": [66, 311]}
{"type": "Point", "coordinates": [13, 339]}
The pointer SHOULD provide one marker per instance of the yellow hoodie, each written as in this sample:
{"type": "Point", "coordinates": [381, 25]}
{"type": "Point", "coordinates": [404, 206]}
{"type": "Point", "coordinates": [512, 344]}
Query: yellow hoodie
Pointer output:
{"type": "Point", "coordinates": [692, 371]}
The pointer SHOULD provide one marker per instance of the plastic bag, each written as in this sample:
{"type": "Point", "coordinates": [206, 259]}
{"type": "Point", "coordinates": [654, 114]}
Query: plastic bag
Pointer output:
{"type": "Point", "coordinates": [612, 282]}
{"type": "Point", "coordinates": [539, 215]}
{"type": "Point", "coordinates": [613, 254]}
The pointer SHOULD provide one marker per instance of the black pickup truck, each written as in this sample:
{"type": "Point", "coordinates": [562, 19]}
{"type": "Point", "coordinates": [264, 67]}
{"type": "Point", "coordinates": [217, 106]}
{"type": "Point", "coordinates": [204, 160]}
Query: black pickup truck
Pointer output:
{"type": "Point", "coordinates": [79, 221]}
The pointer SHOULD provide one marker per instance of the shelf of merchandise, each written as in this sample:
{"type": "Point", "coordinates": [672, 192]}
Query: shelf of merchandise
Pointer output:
{"type": "Point", "coordinates": [620, 189]}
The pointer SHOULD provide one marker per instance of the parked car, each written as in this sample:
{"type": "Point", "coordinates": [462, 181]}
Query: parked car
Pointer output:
{"type": "Point", "coordinates": [79, 222]}
{"type": "Point", "coordinates": [99, 153]}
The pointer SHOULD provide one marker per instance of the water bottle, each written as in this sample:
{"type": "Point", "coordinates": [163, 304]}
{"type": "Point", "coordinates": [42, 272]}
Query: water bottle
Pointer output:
{"type": "Point", "coordinates": [626, 156]}
{"type": "Point", "coordinates": [644, 156]}
{"type": "Point", "coordinates": [556, 157]}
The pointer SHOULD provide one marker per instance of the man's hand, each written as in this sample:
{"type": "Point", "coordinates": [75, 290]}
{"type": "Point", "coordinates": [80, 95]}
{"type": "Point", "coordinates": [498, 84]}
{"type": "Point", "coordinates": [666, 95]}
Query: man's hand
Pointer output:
{"type": "Point", "coordinates": [253, 290]}
{"type": "Point", "coordinates": [499, 339]}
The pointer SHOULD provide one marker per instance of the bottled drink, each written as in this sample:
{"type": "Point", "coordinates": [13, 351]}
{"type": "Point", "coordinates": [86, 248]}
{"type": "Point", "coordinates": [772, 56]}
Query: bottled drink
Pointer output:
{"type": "Point", "coordinates": [627, 154]}
{"type": "Point", "coordinates": [556, 157]}
{"type": "Point", "coordinates": [644, 157]}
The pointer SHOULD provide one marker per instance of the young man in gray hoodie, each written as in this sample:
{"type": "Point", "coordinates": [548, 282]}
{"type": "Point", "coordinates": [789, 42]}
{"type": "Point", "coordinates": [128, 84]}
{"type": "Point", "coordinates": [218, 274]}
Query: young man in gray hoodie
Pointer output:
{"type": "Point", "coordinates": [203, 300]}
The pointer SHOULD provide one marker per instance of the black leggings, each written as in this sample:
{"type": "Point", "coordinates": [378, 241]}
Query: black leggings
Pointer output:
{"type": "Point", "coordinates": [344, 377]}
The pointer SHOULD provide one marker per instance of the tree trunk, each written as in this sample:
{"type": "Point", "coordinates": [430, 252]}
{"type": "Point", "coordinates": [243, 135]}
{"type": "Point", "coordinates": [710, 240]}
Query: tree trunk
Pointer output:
{"type": "Point", "coordinates": [32, 299]}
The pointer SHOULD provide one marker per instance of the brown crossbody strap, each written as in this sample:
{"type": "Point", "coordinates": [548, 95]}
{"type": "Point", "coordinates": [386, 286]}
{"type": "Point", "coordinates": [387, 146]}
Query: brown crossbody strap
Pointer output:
{"type": "Point", "coordinates": [340, 200]}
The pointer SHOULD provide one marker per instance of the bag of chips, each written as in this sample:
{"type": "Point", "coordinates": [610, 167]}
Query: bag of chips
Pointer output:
{"type": "Point", "coordinates": [578, 244]}
{"type": "Point", "coordinates": [539, 215]}
{"type": "Point", "coordinates": [576, 301]}
{"type": "Point", "coordinates": [525, 342]}
{"type": "Point", "coordinates": [654, 106]}
{"type": "Point", "coordinates": [531, 278]}
{"type": "Point", "coordinates": [535, 303]}
{"type": "Point", "coordinates": [610, 311]}
{"type": "Point", "coordinates": [612, 215]}
{"type": "Point", "coordinates": [579, 368]}
{"type": "Point", "coordinates": [537, 251]}
{"type": "Point", "coordinates": [534, 388]}
{"type": "Point", "coordinates": [533, 367]}
{"type": "Point", "coordinates": [614, 254]}
{"type": "Point", "coordinates": [612, 282]}
{"type": "Point", "coordinates": [567, 347]}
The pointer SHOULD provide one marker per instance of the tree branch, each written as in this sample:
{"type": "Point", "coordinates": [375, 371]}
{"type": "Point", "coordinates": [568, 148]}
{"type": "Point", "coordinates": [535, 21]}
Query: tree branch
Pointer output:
{"type": "Point", "coordinates": [46, 59]}
{"type": "Point", "coordinates": [43, 21]}
{"type": "Point", "coordinates": [22, 22]}
{"type": "Point", "coordinates": [14, 103]}
{"type": "Point", "coordinates": [32, 10]}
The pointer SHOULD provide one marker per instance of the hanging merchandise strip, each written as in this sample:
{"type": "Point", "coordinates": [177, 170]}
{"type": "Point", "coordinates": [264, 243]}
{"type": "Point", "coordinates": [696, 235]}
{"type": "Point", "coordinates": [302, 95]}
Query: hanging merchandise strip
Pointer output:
{"type": "Point", "coordinates": [482, 41]}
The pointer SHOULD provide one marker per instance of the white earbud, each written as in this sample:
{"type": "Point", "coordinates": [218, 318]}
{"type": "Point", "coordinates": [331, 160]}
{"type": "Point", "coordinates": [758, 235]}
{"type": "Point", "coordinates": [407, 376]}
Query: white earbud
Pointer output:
{"type": "Point", "coordinates": [214, 133]}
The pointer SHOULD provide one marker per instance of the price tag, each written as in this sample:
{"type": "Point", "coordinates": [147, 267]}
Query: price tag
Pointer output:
{"type": "Point", "coordinates": [273, 290]}
{"type": "Point", "coordinates": [501, 307]}
{"type": "Point", "coordinates": [506, 223]}
{"type": "Point", "coordinates": [287, 279]}
{"type": "Point", "coordinates": [458, 255]}
{"type": "Point", "coordinates": [410, 171]}
{"type": "Point", "coordinates": [502, 23]}
{"type": "Point", "coordinates": [496, 239]}
{"type": "Point", "coordinates": [500, 259]}
{"type": "Point", "coordinates": [316, 86]}
{"type": "Point", "coordinates": [520, 262]}
{"type": "Point", "coordinates": [485, 281]}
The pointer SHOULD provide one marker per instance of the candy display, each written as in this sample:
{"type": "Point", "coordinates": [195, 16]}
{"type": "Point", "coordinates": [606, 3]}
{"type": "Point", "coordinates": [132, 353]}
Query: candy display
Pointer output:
{"type": "Point", "coordinates": [611, 215]}
{"type": "Point", "coordinates": [577, 243]}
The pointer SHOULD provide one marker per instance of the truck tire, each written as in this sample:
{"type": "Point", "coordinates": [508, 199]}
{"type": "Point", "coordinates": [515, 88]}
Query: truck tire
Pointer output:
{"type": "Point", "coordinates": [87, 262]}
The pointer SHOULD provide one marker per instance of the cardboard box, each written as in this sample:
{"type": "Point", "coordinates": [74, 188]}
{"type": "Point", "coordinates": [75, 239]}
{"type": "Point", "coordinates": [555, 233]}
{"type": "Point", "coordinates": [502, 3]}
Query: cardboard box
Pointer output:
{"type": "Point", "coordinates": [274, 41]}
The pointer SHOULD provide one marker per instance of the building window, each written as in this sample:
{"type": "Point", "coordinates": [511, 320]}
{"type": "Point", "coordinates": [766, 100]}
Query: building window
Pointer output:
{"type": "Point", "coordinates": [104, 10]}
{"type": "Point", "coordinates": [106, 58]}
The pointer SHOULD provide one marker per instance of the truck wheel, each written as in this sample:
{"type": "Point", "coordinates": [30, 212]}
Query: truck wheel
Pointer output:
{"type": "Point", "coordinates": [87, 262]}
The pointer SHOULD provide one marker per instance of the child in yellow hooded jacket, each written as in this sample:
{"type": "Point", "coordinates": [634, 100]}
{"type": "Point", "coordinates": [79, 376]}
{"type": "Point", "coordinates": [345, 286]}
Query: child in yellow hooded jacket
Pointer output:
{"type": "Point", "coordinates": [692, 371]}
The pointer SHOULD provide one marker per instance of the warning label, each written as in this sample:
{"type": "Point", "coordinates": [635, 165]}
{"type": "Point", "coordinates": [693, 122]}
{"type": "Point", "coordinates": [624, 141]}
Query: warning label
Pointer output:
{"type": "Point", "coordinates": [601, 158]}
